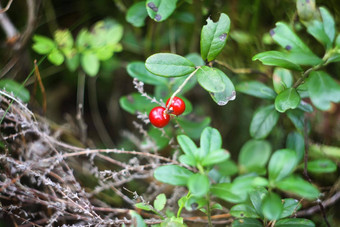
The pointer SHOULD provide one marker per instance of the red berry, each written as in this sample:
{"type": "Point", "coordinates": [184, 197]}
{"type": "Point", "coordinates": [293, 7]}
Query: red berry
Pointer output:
{"type": "Point", "coordinates": [177, 106]}
{"type": "Point", "coordinates": [158, 118]}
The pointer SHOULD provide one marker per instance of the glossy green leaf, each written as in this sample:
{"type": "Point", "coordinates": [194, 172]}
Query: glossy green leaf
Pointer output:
{"type": "Point", "coordinates": [288, 99]}
{"type": "Point", "coordinates": [143, 206]}
{"type": "Point", "coordinates": [90, 64]}
{"type": "Point", "coordinates": [290, 206]}
{"type": "Point", "coordinates": [136, 219]}
{"type": "Point", "coordinates": [193, 128]}
{"type": "Point", "coordinates": [134, 103]}
{"type": "Point", "coordinates": [316, 29]}
{"type": "Point", "coordinates": [173, 174]}
{"type": "Point", "coordinates": [159, 202]}
{"type": "Point", "coordinates": [56, 57]}
{"type": "Point", "coordinates": [169, 65]}
{"type": "Point", "coordinates": [256, 197]}
{"type": "Point", "coordinates": [187, 160]}
{"type": "Point", "coordinates": [257, 89]}
{"type": "Point", "coordinates": [297, 185]}
{"type": "Point", "coordinates": [160, 10]}
{"type": "Point", "coordinates": [264, 120]}
{"type": "Point", "coordinates": [223, 191]}
{"type": "Point", "coordinates": [215, 157]}
{"type": "Point", "coordinates": [272, 206]}
{"type": "Point", "coordinates": [321, 166]}
{"type": "Point", "coordinates": [198, 185]}
{"type": "Point", "coordinates": [276, 58]}
{"type": "Point", "coordinates": [195, 58]}
{"type": "Point", "coordinates": [229, 93]}
{"type": "Point", "coordinates": [254, 154]}
{"type": "Point", "coordinates": [323, 90]}
{"type": "Point", "coordinates": [210, 79]}
{"type": "Point", "coordinates": [281, 164]}
{"type": "Point", "coordinates": [287, 39]}
{"type": "Point", "coordinates": [243, 184]}
{"type": "Point", "coordinates": [137, 70]}
{"type": "Point", "coordinates": [43, 44]}
{"type": "Point", "coordinates": [136, 14]}
{"type": "Point", "coordinates": [247, 222]}
{"type": "Point", "coordinates": [18, 90]}
{"type": "Point", "coordinates": [296, 222]}
{"type": "Point", "coordinates": [328, 23]}
{"type": "Point", "coordinates": [296, 142]}
{"type": "Point", "coordinates": [282, 79]}
{"type": "Point", "coordinates": [301, 58]}
{"type": "Point", "coordinates": [211, 140]}
{"type": "Point", "coordinates": [304, 106]}
{"type": "Point", "coordinates": [243, 211]}
{"type": "Point", "coordinates": [187, 145]}
{"type": "Point", "coordinates": [297, 117]}
{"type": "Point", "coordinates": [214, 37]}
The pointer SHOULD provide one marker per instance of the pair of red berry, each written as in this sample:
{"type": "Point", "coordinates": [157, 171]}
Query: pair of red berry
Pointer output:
{"type": "Point", "coordinates": [160, 116]}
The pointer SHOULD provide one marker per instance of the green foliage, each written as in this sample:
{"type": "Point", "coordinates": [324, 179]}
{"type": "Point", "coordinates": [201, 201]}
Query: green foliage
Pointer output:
{"type": "Point", "coordinates": [264, 120]}
{"type": "Point", "coordinates": [16, 89]}
{"type": "Point", "coordinates": [160, 10]}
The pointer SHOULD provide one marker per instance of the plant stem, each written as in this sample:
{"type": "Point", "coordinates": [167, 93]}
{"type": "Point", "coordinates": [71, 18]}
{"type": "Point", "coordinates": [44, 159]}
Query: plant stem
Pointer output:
{"type": "Point", "coordinates": [181, 87]}
{"type": "Point", "coordinates": [209, 211]}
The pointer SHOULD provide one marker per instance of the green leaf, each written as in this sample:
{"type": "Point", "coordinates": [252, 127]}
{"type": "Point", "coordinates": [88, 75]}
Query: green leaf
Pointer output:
{"type": "Point", "coordinates": [223, 191]}
{"type": "Point", "coordinates": [188, 146]}
{"type": "Point", "coordinates": [290, 206]}
{"type": "Point", "coordinates": [282, 79]}
{"type": "Point", "coordinates": [272, 206]}
{"type": "Point", "coordinates": [198, 184]}
{"type": "Point", "coordinates": [210, 79]}
{"type": "Point", "coordinates": [161, 140]}
{"type": "Point", "coordinates": [169, 65]}
{"type": "Point", "coordinates": [17, 89]}
{"type": "Point", "coordinates": [229, 93]}
{"type": "Point", "coordinates": [296, 142]}
{"type": "Point", "coordinates": [257, 89]}
{"type": "Point", "coordinates": [337, 41]}
{"type": "Point", "coordinates": [276, 58]}
{"type": "Point", "coordinates": [173, 174]}
{"type": "Point", "coordinates": [227, 168]}
{"type": "Point", "coordinates": [287, 39]}
{"type": "Point", "coordinates": [214, 37]}
{"type": "Point", "coordinates": [187, 160]}
{"type": "Point", "coordinates": [304, 106]}
{"type": "Point", "coordinates": [136, 219]}
{"type": "Point", "coordinates": [215, 157]}
{"type": "Point", "coordinates": [243, 211]}
{"type": "Point", "coordinates": [281, 164]}
{"type": "Point", "coordinates": [328, 23]}
{"type": "Point", "coordinates": [243, 184]}
{"type": "Point", "coordinates": [296, 222]}
{"type": "Point", "coordinates": [297, 117]}
{"type": "Point", "coordinates": [288, 99]}
{"type": "Point", "coordinates": [193, 128]}
{"type": "Point", "coordinates": [160, 10]}
{"type": "Point", "coordinates": [306, 9]}
{"type": "Point", "coordinates": [211, 140]}
{"type": "Point", "coordinates": [316, 29]}
{"type": "Point", "coordinates": [321, 166]}
{"type": "Point", "coordinates": [43, 44]}
{"type": "Point", "coordinates": [134, 103]}
{"type": "Point", "coordinates": [72, 63]}
{"type": "Point", "coordinates": [159, 202]}
{"type": "Point", "coordinates": [137, 70]}
{"type": "Point", "coordinates": [323, 90]}
{"type": "Point", "coordinates": [256, 197]}
{"type": "Point", "coordinates": [296, 185]}
{"type": "Point", "coordinates": [301, 58]}
{"type": "Point", "coordinates": [195, 58]}
{"type": "Point", "coordinates": [254, 154]}
{"type": "Point", "coordinates": [136, 14]}
{"type": "Point", "coordinates": [247, 222]}
{"type": "Point", "coordinates": [144, 206]}
{"type": "Point", "coordinates": [264, 120]}
{"type": "Point", "coordinates": [56, 57]}
{"type": "Point", "coordinates": [64, 39]}
{"type": "Point", "coordinates": [106, 33]}
{"type": "Point", "coordinates": [195, 203]}
{"type": "Point", "coordinates": [90, 64]}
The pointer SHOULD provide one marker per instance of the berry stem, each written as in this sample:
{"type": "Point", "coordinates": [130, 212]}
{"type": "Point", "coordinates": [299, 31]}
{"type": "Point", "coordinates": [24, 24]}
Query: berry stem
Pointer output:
{"type": "Point", "coordinates": [179, 89]}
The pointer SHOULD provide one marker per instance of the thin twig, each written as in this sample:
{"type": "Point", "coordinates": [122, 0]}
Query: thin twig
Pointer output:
{"type": "Point", "coordinates": [41, 85]}
{"type": "Point", "coordinates": [9, 3]}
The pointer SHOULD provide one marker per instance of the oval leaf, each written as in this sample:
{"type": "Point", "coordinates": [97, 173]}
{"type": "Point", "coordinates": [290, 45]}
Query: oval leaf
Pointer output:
{"type": "Point", "coordinates": [210, 79]}
{"type": "Point", "coordinates": [198, 185]}
{"type": "Point", "coordinates": [272, 206]}
{"type": "Point", "coordinates": [136, 14]}
{"type": "Point", "coordinates": [214, 36]}
{"type": "Point", "coordinates": [243, 211]}
{"type": "Point", "coordinates": [256, 89]}
{"type": "Point", "coordinates": [211, 140]}
{"type": "Point", "coordinates": [159, 10]}
{"type": "Point", "coordinates": [290, 206]}
{"type": "Point", "coordinates": [276, 58]}
{"type": "Point", "coordinates": [159, 202]}
{"type": "Point", "coordinates": [229, 93]}
{"type": "Point", "coordinates": [137, 70]}
{"type": "Point", "coordinates": [215, 157]}
{"type": "Point", "coordinates": [296, 222]}
{"type": "Point", "coordinates": [296, 142]}
{"type": "Point", "coordinates": [223, 191]}
{"type": "Point", "coordinates": [188, 146]}
{"type": "Point", "coordinates": [56, 57]}
{"type": "Point", "coordinates": [169, 65]}
{"type": "Point", "coordinates": [42, 44]}
{"type": "Point", "coordinates": [282, 79]}
{"type": "Point", "coordinates": [281, 164]}
{"type": "Point", "coordinates": [90, 64]}
{"type": "Point", "coordinates": [263, 122]}
{"type": "Point", "coordinates": [172, 174]}
{"type": "Point", "coordinates": [18, 90]}
{"type": "Point", "coordinates": [321, 166]}
{"type": "Point", "coordinates": [288, 99]}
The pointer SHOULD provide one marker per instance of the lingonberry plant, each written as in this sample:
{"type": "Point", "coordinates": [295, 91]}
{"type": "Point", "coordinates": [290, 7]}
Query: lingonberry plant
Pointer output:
{"type": "Point", "coordinates": [204, 142]}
